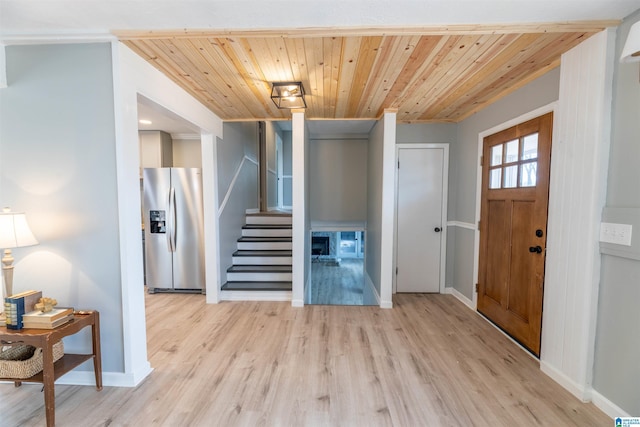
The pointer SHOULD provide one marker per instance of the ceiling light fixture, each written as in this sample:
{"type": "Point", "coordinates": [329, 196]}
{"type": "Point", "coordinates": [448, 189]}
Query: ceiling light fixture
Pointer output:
{"type": "Point", "coordinates": [145, 122]}
{"type": "Point", "coordinates": [631, 50]}
{"type": "Point", "coordinates": [288, 95]}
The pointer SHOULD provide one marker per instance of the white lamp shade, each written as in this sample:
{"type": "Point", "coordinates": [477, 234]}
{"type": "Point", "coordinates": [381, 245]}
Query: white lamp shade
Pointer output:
{"type": "Point", "coordinates": [631, 50]}
{"type": "Point", "coordinates": [14, 231]}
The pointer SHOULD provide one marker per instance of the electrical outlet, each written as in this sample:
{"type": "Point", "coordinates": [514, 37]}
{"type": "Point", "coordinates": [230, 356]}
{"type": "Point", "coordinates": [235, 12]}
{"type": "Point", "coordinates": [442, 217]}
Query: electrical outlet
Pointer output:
{"type": "Point", "coordinates": [619, 234]}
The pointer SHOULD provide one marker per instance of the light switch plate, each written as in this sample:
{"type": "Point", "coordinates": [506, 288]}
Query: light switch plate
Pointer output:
{"type": "Point", "coordinates": [619, 234]}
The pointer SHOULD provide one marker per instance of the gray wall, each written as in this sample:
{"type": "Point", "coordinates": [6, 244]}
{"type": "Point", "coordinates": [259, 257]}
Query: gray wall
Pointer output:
{"type": "Point", "coordinates": [464, 154]}
{"type": "Point", "coordinates": [272, 164]}
{"type": "Point", "coordinates": [437, 133]}
{"type": "Point", "coordinates": [463, 160]}
{"type": "Point", "coordinates": [286, 168]}
{"type": "Point", "coordinates": [301, 225]}
{"type": "Point", "coordinates": [239, 140]}
{"type": "Point", "coordinates": [617, 353]}
{"type": "Point", "coordinates": [374, 204]}
{"type": "Point", "coordinates": [57, 164]}
{"type": "Point", "coordinates": [432, 133]}
{"type": "Point", "coordinates": [338, 180]}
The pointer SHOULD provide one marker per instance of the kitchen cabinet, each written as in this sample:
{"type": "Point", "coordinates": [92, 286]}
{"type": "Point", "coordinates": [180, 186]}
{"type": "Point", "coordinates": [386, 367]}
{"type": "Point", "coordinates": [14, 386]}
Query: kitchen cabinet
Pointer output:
{"type": "Point", "coordinates": [156, 149]}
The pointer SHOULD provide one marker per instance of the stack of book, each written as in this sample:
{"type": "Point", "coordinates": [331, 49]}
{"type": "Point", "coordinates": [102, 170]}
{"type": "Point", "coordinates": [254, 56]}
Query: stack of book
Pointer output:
{"type": "Point", "coordinates": [15, 306]}
{"type": "Point", "coordinates": [51, 319]}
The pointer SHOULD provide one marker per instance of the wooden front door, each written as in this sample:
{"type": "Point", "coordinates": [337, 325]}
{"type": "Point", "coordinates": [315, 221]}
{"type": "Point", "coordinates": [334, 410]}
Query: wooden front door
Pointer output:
{"type": "Point", "coordinates": [513, 228]}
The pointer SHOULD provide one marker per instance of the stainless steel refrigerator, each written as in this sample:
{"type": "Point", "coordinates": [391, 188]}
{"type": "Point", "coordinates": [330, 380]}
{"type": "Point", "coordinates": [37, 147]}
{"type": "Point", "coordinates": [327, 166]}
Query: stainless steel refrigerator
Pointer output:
{"type": "Point", "coordinates": [173, 229]}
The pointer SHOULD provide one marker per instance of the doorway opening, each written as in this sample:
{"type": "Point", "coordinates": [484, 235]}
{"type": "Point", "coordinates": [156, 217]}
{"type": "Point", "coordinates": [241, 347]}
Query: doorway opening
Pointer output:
{"type": "Point", "coordinates": [337, 269]}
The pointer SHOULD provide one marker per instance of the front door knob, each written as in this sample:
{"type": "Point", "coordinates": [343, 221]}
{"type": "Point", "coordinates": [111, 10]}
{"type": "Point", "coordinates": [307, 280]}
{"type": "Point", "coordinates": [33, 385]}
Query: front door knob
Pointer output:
{"type": "Point", "coordinates": [535, 249]}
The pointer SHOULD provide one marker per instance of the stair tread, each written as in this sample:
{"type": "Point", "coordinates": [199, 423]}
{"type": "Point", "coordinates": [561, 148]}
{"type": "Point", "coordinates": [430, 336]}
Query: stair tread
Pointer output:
{"type": "Point", "coordinates": [260, 269]}
{"type": "Point", "coordinates": [264, 239]}
{"type": "Point", "coordinates": [262, 253]}
{"type": "Point", "coordinates": [257, 286]}
{"type": "Point", "coordinates": [266, 227]}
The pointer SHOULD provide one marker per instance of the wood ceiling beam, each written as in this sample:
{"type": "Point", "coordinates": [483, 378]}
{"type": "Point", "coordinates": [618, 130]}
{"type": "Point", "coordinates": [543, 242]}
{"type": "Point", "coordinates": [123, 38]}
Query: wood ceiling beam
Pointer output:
{"type": "Point", "coordinates": [436, 30]}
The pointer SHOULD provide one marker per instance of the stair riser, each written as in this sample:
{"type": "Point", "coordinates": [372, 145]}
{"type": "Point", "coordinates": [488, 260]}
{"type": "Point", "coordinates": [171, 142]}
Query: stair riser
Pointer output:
{"type": "Point", "coordinates": [259, 277]}
{"type": "Point", "coordinates": [266, 233]}
{"type": "Point", "coordinates": [264, 260]}
{"type": "Point", "coordinates": [268, 219]}
{"type": "Point", "coordinates": [261, 246]}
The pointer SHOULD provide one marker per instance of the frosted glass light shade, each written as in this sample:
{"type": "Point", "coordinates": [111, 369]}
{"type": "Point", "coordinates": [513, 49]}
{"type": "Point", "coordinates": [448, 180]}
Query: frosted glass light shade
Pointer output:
{"type": "Point", "coordinates": [15, 231]}
{"type": "Point", "coordinates": [631, 50]}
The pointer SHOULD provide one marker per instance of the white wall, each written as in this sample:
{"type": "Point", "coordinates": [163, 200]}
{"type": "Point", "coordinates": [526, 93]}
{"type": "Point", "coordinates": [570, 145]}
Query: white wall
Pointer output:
{"type": "Point", "coordinates": [338, 180]}
{"type": "Point", "coordinates": [134, 77]}
{"type": "Point", "coordinates": [58, 165]}
{"type": "Point", "coordinates": [301, 224]}
{"type": "Point", "coordinates": [53, 16]}
{"type": "Point", "coordinates": [579, 161]}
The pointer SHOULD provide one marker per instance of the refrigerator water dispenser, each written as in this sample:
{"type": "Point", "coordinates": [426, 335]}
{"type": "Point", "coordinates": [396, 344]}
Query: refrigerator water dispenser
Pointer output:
{"type": "Point", "coordinates": [157, 221]}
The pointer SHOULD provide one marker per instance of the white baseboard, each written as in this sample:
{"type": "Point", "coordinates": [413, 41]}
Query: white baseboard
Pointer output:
{"type": "Point", "coordinates": [109, 379]}
{"type": "Point", "coordinates": [297, 303]}
{"type": "Point", "coordinates": [386, 304]}
{"type": "Point", "coordinates": [582, 393]}
{"type": "Point", "coordinates": [607, 406]}
{"type": "Point", "coordinates": [571, 386]}
{"type": "Point", "coordinates": [255, 295]}
{"type": "Point", "coordinates": [466, 301]}
{"type": "Point", "coordinates": [460, 224]}
{"type": "Point", "coordinates": [368, 283]}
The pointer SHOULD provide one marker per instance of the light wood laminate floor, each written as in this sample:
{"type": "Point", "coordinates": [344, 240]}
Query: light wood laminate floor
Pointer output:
{"type": "Point", "coordinates": [429, 361]}
{"type": "Point", "coordinates": [337, 284]}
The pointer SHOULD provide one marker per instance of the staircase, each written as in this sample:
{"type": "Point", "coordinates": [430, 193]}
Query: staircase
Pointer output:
{"type": "Point", "coordinates": [263, 259]}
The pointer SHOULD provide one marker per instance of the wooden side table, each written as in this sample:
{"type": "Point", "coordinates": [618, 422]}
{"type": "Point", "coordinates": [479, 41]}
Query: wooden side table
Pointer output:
{"type": "Point", "coordinates": [45, 339]}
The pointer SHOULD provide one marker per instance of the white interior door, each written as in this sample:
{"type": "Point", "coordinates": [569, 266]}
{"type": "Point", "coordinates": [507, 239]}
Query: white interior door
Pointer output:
{"type": "Point", "coordinates": [420, 235]}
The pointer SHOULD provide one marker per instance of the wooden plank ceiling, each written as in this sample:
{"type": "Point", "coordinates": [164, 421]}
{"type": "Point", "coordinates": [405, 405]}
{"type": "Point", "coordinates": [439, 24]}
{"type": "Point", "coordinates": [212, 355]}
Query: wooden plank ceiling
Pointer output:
{"type": "Point", "coordinates": [435, 74]}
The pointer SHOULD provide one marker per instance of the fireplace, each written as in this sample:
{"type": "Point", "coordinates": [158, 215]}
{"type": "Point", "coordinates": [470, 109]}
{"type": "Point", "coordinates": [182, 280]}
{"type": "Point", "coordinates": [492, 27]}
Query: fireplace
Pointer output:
{"type": "Point", "coordinates": [319, 245]}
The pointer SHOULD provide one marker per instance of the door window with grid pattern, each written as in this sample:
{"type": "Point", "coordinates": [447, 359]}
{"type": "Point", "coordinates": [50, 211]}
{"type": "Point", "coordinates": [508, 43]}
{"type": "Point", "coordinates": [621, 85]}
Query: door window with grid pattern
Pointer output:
{"type": "Point", "coordinates": [514, 163]}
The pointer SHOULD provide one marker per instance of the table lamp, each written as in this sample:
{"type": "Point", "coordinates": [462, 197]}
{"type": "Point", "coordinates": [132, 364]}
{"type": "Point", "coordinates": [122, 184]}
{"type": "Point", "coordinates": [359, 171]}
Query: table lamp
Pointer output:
{"type": "Point", "coordinates": [14, 233]}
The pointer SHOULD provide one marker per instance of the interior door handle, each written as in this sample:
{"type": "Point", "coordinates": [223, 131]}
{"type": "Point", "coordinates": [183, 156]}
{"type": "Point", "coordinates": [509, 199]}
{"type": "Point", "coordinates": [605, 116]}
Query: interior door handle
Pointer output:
{"type": "Point", "coordinates": [437, 229]}
{"type": "Point", "coordinates": [535, 249]}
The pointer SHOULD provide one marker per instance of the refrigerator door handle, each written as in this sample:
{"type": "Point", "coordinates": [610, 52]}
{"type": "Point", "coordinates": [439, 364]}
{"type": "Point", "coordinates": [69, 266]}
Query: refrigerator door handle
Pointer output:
{"type": "Point", "coordinates": [171, 221]}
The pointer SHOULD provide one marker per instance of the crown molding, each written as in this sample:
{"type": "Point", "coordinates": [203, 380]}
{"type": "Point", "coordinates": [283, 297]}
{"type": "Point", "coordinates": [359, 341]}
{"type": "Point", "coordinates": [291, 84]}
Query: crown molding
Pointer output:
{"type": "Point", "coordinates": [186, 136]}
{"type": "Point", "coordinates": [56, 38]}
